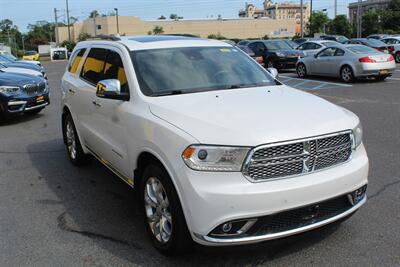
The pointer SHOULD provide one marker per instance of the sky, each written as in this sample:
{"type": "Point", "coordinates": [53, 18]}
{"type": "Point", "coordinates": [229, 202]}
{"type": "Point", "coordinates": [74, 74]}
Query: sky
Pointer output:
{"type": "Point", "coordinates": [24, 12]}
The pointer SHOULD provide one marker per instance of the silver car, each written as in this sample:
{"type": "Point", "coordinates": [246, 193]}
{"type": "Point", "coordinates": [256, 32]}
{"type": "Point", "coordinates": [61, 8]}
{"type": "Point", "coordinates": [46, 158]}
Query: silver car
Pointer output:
{"type": "Point", "coordinates": [347, 62]}
{"type": "Point", "coordinates": [310, 48]}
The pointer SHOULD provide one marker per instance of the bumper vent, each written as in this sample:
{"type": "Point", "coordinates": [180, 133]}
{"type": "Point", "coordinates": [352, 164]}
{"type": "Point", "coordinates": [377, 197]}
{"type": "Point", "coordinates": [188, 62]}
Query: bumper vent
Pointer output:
{"type": "Point", "coordinates": [298, 157]}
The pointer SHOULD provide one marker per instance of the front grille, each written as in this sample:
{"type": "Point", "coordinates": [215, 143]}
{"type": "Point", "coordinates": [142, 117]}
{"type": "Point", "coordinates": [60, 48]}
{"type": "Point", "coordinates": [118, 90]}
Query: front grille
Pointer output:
{"type": "Point", "coordinates": [298, 157]}
{"type": "Point", "coordinates": [33, 89]}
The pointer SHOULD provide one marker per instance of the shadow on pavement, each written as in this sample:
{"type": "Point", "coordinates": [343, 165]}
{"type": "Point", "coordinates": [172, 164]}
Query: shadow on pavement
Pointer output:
{"type": "Point", "coordinates": [97, 205]}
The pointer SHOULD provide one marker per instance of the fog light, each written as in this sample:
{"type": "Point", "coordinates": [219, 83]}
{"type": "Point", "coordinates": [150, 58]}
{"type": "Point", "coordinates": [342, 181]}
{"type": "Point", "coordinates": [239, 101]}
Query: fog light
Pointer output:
{"type": "Point", "coordinates": [358, 195]}
{"type": "Point", "coordinates": [233, 228]}
{"type": "Point", "coordinates": [226, 227]}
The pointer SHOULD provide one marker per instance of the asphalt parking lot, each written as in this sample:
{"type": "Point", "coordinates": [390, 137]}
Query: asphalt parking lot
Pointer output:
{"type": "Point", "coordinates": [54, 214]}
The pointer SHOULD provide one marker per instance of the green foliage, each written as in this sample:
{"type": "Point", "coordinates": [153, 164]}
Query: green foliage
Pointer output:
{"type": "Point", "coordinates": [70, 45]}
{"type": "Point", "coordinates": [390, 18]}
{"type": "Point", "coordinates": [158, 30]}
{"type": "Point", "coordinates": [370, 23]}
{"type": "Point", "coordinates": [162, 17]}
{"type": "Point", "coordinates": [216, 36]}
{"type": "Point", "coordinates": [83, 36]}
{"type": "Point", "coordinates": [316, 23]}
{"type": "Point", "coordinates": [340, 26]}
{"type": "Point", "coordinates": [175, 17]}
{"type": "Point", "coordinates": [265, 37]}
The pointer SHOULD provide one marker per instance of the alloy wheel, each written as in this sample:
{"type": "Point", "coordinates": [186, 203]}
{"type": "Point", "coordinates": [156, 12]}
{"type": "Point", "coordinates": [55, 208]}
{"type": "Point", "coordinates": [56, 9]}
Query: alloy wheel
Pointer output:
{"type": "Point", "coordinates": [301, 70]}
{"type": "Point", "coordinates": [71, 141]}
{"type": "Point", "coordinates": [347, 74]}
{"type": "Point", "coordinates": [157, 209]}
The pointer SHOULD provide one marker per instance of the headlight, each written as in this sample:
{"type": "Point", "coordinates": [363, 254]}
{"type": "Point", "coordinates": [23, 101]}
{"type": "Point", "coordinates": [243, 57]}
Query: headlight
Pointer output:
{"type": "Point", "coordinates": [358, 135]}
{"type": "Point", "coordinates": [215, 158]}
{"type": "Point", "coordinates": [279, 54]}
{"type": "Point", "coordinates": [9, 90]}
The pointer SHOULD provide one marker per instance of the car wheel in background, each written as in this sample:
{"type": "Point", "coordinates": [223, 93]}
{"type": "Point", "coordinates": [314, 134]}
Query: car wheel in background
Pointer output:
{"type": "Point", "coordinates": [74, 148]}
{"type": "Point", "coordinates": [381, 78]}
{"type": "Point", "coordinates": [346, 74]}
{"type": "Point", "coordinates": [397, 57]}
{"type": "Point", "coordinates": [164, 219]}
{"type": "Point", "coordinates": [301, 70]}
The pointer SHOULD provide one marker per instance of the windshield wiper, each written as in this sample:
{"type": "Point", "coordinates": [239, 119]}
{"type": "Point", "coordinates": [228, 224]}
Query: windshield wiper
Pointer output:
{"type": "Point", "coordinates": [173, 92]}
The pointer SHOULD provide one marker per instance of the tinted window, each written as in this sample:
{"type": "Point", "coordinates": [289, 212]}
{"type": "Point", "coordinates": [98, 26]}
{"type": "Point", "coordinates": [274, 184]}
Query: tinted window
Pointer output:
{"type": "Point", "coordinates": [329, 44]}
{"type": "Point", "coordinates": [92, 70]}
{"type": "Point", "coordinates": [362, 49]}
{"type": "Point", "coordinates": [75, 60]}
{"type": "Point", "coordinates": [277, 45]}
{"type": "Point", "coordinates": [374, 43]}
{"type": "Point", "coordinates": [302, 47]}
{"type": "Point", "coordinates": [339, 52]}
{"type": "Point", "coordinates": [30, 53]}
{"type": "Point", "coordinates": [196, 69]}
{"type": "Point", "coordinates": [328, 52]}
{"type": "Point", "coordinates": [114, 69]}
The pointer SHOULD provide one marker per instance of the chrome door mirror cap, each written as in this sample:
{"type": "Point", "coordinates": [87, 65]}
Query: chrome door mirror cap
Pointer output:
{"type": "Point", "coordinates": [111, 89]}
{"type": "Point", "coordinates": [273, 72]}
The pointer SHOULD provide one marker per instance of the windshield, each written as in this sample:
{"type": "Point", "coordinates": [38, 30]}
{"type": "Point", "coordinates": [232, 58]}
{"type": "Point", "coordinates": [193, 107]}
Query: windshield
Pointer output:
{"type": "Point", "coordinates": [362, 49]}
{"type": "Point", "coordinates": [30, 53]}
{"type": "Point", "coordinates": [196, 69]}
{"type": "Point", "coordinates": [277, 45]}
{"type": "Point", "coordinates": [374, 42]}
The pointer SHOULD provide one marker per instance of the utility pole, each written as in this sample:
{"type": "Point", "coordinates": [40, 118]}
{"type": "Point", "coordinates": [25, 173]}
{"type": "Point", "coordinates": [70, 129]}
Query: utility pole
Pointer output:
{"type": "Point", "coordinates": [311, 16]}
{"type": "Point", "coordinates": [359, 19]}
{"type": "Point", "coordinates": [301, 19]}
{"type": "Point", "coordinates": [94, 25]}
{"type": "Point", "coordinates": [23, 44]}
{"type": "Point", "coordinates": [56, 26]}
{"type": "Point", "coordinates": [335, 8]}
{"type": "Point", "coordinates": [116, 13]}
{"type": "Point", "coordinates": [69, 31]}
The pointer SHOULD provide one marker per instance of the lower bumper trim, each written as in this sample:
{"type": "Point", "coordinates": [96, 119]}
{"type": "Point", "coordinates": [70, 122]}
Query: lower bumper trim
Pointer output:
{"type": "Point", "coordinates": [214, 241]}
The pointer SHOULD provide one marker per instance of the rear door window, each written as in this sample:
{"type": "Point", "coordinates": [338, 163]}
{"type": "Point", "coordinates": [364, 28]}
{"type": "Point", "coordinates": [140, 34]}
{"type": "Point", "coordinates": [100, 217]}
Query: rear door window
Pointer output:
{"type": "Point", "coordinates": [92, 70]}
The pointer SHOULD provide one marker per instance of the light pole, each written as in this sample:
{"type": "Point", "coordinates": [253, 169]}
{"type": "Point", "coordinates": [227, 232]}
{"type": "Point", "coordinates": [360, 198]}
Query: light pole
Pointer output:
{"type": "Point", "coordinates": [301, 19]}
{"type": "Point", "coordinates": [116, 14]}
{"type": "Point", "coordinates": [69, 31]}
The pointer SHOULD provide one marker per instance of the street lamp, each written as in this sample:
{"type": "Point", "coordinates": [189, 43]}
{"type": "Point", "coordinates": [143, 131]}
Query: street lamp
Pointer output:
{"type": "Point", "coordinates": [116, 14]}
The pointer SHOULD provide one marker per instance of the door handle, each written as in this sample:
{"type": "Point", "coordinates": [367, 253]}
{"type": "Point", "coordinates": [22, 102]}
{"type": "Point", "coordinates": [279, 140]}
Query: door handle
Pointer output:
{"type": "Point", "coordinates": [97, 104]}
{"type": "Point", "coordinates": [71, 91]}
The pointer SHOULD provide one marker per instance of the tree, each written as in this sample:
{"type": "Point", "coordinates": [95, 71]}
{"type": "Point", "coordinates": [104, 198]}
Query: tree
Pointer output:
{"type": "Point", "coordinates": [158, 30]}
{"type": "Point", "coordinates": [83, 36]}
{"type": "Point", "coordinates": [175, 17]}
{"type": "Point", "coordinates": [70, 45]}
{"type": "Point", "coordinates": [94, 14]}
{"type": "Point", "coordinates": [42, 32]}
{"type": "Point", "coordinates": [162, 17]}
{"type": "Point", "coordinates": [371, 23]}
{"type": "Point", "coordinates": [340, 26]}
{"type": "Point", "coordinates": [216, 36]}
{"type": "Point", "coordinates": [391, 16]}
{"type": "Point", "coordinates": [318, 20]}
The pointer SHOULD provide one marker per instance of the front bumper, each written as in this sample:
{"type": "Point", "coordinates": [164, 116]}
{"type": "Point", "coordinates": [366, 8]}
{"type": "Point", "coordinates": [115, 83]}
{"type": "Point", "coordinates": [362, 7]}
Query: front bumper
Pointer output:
{"type": "Point", "coordinates": [20, 104]}
{"type": "Point", "coordinates": [212, 199]}
{"type": "Point", "coordinates": [286, 63]}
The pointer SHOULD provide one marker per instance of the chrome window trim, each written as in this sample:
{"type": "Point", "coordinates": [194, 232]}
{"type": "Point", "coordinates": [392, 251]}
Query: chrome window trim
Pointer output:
{"type": "Point", "coordinates": [249, 156]}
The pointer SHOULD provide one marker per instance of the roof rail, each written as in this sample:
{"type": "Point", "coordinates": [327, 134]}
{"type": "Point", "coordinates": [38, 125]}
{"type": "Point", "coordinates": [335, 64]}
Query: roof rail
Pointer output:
{"type": "Point", "coordinates": [105, 37]}
{"type": "Point", "coordinates": [182, 34]}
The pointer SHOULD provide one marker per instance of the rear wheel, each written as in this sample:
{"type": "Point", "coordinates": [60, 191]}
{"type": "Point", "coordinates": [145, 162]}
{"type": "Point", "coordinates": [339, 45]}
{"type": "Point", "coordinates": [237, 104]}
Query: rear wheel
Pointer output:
{"type": "Point", "coordinates": [346, 74]}
{"type": "Point", "coordinates": [301, 70]}
{"type": "Point", "coordinates": [74, 148]}
{"type": "Point", "coordinates": [397, 57]}
{"type": "Point", "coordinates": [164, 219]}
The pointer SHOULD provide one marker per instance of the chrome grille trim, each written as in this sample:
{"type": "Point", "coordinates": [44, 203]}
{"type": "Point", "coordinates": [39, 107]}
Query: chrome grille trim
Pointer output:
{"type": "Point", "coordinates": [282, 159]}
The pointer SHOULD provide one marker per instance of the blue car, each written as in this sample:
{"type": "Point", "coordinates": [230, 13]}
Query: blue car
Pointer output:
{"type": "Point", "coordinates": [21, 94]}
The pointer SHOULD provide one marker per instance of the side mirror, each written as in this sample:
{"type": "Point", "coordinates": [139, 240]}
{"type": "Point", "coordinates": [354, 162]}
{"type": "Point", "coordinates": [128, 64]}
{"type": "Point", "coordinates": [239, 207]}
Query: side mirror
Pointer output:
{"type": "Point", "coordinates": [273, 71]}
{"type": "Point", "coordinates": [111, 89]}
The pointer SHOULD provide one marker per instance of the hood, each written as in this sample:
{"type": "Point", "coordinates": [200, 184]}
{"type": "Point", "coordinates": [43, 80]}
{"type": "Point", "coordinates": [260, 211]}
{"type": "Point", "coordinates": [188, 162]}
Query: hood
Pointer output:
{"type": "Point", "coordinates": [14, 79]}
{"type": "Point", "coordinates": [29, 62]}
{"type": "Point", "coordinates": [17, 64]}
{"type": "Point", "coordinates": [22, 71]}
{"type": "Point", "coordinates": [253, 116]}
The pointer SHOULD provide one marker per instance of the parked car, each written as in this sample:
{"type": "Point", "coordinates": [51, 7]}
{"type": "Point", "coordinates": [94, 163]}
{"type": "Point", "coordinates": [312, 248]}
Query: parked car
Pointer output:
{"type": "Point", "coordinates": [250, 52]}
{"type": "Point", "coordinates": [276, 53]}
{"type": "Point", "coordinates": [4, 68]}
{"type": "Point", "coordinates": [299, 41]}
{"type": "Point", "coordinates": [10, 63]}
{"type": "Point", "coordinates": [292, 44]}
{"type": "Point", "coordinates": [218, 151]}
{"type": "Point", "coordinates": [395, 42]}
{"type": "Point", "coordinates": [31, 55]}
{"type": "Point", "coordinates": [338, 38]}
{"type": "Point", "coordinates": [310, 48]}
{"type": "Point", "coordinates": [13, 58]}
{"type": "Point", "coordinates": [378, 36]}
{"type": "Point", "coordinates": [347, 62]}
{"type": "Point", "coordinates": [21, 93]}
{"type": "Point", "coordinates": [373, 43]}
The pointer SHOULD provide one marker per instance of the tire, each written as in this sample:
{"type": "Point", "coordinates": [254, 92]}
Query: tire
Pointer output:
{"type": "Point", "coordinates": [73, 144]}
{"type": "Point", "coordinates": [33, 112]}
{"type": "Point", "coordinates": [301, 70]}
{"type": "Point", "coordinates": [174, 238]}
{"type": "Point", "coordinates": [381, 78]}
{"type": "Point", "coordinates": [397, 57]}
{"type": "Point", "coordinates": [347, 74]}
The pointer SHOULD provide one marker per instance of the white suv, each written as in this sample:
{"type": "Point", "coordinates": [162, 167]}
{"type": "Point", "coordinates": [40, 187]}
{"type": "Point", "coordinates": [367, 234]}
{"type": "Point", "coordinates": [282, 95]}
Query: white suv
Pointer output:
{"type": "Point", "coordinates": [219, 151]}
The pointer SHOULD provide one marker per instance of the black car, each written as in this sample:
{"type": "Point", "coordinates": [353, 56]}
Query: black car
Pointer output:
{"type": "Point", "coordinates": [276, 53]}
{"type": "Point", "coordinates": [22, 94]}
{"type": "Point", "coordinates": [374, 43]}
{"type": "Point", "coordinates": [10, 63]}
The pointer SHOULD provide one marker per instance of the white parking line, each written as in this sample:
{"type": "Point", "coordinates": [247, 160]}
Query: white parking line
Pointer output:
{"type": "Point", "coordinates": [329, 83]}
{"type": "Point", "coordinates": [391, 78]}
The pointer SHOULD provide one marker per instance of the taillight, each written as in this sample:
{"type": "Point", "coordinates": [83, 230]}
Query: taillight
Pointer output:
{"type": "Point", "coordinates": [391, 58]}
{"type": "Point", "coordinates": [366, 60]}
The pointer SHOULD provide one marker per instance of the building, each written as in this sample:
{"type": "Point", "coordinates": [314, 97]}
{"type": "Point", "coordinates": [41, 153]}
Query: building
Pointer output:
{"type": "Point", "coordinates": [279, 11]}
{"type": "Point", "coordinates": [369, 5]}
{"type": "Point", "coordinates": [241, 28]}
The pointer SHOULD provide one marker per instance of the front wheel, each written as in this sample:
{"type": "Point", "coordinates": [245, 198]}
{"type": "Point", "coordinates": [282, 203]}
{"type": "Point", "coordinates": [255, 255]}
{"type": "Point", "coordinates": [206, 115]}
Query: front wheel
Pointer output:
{"type": "Point", "coordinates": [346, 74]}
{"type": "Point", "coordinates": [164, 219]}
{"type": "Point", "coordinates": [301, 70]}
